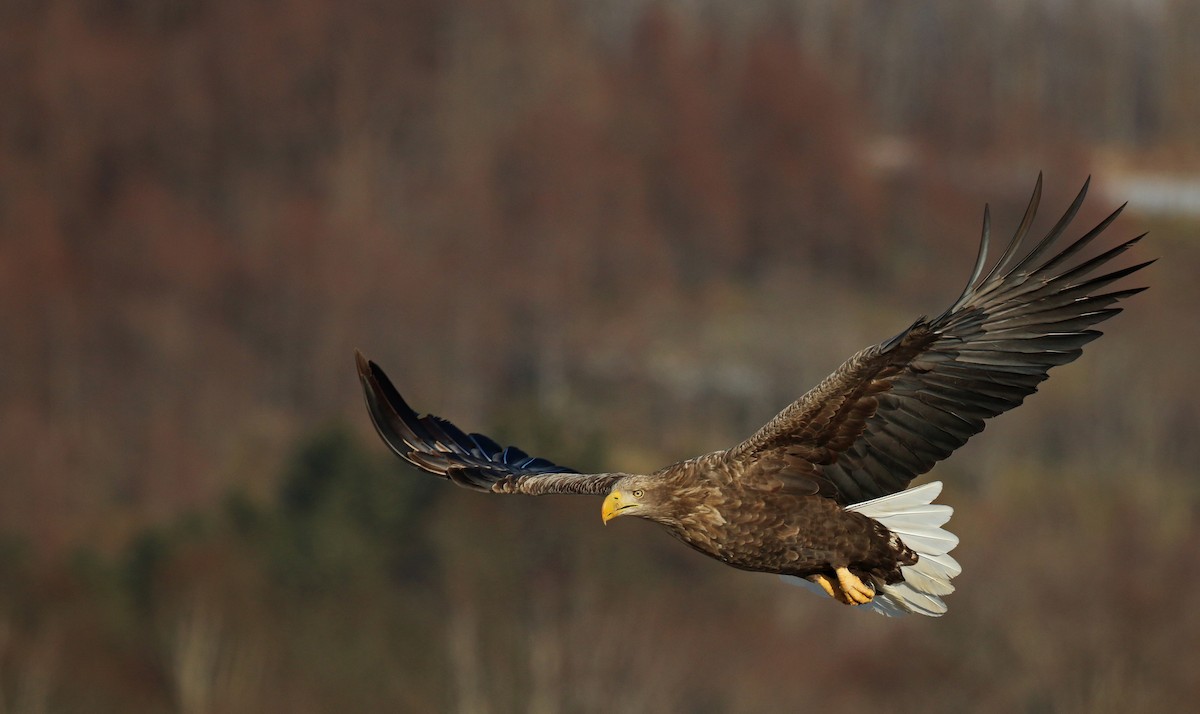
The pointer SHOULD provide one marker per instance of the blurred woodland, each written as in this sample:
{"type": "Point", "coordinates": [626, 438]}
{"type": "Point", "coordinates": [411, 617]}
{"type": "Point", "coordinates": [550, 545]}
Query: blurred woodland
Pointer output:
{"type": "Point", "coordinates": [617, 235]}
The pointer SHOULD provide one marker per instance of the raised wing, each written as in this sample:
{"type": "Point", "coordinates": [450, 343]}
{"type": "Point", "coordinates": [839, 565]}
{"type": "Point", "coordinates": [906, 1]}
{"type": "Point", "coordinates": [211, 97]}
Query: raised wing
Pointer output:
{"type": "Point", "coordinates": [892, 411]}
{"type": "Point", "coordinates": [472, 460]}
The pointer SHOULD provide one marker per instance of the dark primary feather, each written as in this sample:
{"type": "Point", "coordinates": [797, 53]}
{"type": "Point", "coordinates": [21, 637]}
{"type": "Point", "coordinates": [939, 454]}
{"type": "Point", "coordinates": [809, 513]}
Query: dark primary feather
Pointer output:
{"type": "Point", "coordinates": [890, 412]}
{"type": "Point", "coordinates": [472, 460]}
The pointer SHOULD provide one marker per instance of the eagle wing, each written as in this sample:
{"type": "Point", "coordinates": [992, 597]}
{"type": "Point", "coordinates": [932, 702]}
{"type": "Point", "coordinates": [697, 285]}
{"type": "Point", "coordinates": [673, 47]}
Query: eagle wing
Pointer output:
{"type": "Point", "coordinates": [892, 411]}
{"type": "Point", "coordinates": [471, 460]}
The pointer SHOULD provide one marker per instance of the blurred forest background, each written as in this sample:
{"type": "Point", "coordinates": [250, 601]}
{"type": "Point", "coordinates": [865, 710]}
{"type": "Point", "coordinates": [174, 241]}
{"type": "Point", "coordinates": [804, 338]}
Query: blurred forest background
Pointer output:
{"type": "Point", "coordinates": [616, 234]}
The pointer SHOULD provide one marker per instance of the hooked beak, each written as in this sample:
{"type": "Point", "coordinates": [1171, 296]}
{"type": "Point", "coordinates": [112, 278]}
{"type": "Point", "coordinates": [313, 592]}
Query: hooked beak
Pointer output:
{"type": "Point", "coordinates": [616, 503]}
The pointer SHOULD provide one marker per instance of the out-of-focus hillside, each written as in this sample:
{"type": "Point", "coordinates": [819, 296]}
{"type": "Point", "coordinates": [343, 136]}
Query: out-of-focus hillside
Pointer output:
{"type": "Point", "coordinates": [614, 237]}
{"type": "Point", "coordinates": [205, 209]}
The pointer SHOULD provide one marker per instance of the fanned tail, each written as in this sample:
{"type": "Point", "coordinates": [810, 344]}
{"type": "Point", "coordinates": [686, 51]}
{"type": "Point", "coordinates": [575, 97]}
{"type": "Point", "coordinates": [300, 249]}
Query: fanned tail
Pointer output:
{"type": "Point", "coordinates": [918, 522]}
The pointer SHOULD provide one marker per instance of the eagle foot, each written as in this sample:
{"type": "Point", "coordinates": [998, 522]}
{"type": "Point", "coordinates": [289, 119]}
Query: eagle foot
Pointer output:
{"type": "Point", "coordinates": [830, 589]}
{"type": "Point", "coordinates": [854, 590]}
{"type": "Point", "coordinates": [848, 588]}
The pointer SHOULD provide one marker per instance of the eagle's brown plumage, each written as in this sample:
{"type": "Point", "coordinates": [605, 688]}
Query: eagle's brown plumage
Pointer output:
{"type": "Point", "coordinates": [816, 492]}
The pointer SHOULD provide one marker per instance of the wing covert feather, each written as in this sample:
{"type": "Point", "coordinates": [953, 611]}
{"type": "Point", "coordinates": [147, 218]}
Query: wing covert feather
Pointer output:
{"type": "Point", "coordinates": [892, 411]}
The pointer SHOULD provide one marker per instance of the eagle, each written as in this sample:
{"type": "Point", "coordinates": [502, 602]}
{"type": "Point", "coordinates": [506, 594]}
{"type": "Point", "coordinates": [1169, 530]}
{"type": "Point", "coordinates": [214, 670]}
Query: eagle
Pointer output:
{"type": "Point", "coordinates": [820, 494]}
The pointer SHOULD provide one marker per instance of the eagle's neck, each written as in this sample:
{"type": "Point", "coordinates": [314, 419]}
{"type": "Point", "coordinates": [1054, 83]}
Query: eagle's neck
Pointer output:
{"type": "Point", "coordinates": [692, 512]}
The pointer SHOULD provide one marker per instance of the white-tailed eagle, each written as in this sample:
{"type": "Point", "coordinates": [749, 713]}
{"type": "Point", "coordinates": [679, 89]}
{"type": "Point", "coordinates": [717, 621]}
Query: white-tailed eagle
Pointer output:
{"type": "Point", "coordinates": [819, 492]}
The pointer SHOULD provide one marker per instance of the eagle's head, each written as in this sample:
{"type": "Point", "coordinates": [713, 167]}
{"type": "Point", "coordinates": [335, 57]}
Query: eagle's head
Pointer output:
{"type": "Point", "coordinates": [638, 495]}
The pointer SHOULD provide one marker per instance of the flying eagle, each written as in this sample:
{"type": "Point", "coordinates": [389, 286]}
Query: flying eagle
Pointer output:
{"type": "Point", "coordinates": [819, 494]}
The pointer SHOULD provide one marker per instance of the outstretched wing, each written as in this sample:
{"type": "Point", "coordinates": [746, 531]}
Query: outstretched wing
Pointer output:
{"type": "Point", "coordinates": [894, 410]}
{"type": "Point", "coordinates": [472, 460]}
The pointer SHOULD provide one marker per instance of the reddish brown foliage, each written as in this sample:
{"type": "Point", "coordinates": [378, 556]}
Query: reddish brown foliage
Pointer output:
{"type": "Point", "coordinates": [616, 243]}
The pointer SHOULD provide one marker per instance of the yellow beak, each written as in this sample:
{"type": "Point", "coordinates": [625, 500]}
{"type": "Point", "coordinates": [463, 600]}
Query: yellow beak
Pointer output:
{"type": "Point", "coordinates": [614, 503]}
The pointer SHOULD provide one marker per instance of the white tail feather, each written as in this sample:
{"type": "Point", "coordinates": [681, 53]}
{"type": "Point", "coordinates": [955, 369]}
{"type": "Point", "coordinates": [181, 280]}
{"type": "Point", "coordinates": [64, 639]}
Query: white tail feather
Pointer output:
{"type": "Point", "coordinates": [917, 521]}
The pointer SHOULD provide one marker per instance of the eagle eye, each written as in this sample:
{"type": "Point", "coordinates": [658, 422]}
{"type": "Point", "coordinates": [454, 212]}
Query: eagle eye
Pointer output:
{"type": "Point", "coordinates": [638, 493]}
